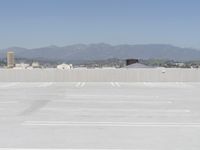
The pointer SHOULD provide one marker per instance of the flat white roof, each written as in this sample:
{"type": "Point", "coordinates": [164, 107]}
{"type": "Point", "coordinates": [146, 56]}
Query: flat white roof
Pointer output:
{"type": "Point", "coordinates": [112, 115]}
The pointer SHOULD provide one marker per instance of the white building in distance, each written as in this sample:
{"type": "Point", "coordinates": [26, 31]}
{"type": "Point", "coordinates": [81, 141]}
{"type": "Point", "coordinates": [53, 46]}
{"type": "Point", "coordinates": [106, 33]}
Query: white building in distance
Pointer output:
{"type": "Point", "coordinates": [36, 65]}
{"type": "Point", "coordinates": [21, 66]}
{"type": "Point", "coordinates": [65, 66]}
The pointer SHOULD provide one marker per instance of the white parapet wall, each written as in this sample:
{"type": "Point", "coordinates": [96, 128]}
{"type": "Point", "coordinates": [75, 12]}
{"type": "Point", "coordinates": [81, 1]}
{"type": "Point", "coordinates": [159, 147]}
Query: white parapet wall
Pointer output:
{"type": "Point", "coordinates": [100, 75]}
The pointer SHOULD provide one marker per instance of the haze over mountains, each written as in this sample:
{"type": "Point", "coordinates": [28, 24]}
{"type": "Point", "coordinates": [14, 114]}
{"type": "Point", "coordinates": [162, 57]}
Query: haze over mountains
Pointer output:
{"type": "Point", "coordinates": [105, 51]}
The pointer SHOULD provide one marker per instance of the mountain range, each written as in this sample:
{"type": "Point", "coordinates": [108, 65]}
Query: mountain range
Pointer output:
{"type": "Point", "coordinates": [104, 51]}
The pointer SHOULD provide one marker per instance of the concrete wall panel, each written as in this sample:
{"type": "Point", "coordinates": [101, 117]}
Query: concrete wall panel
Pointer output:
{"type": "Point", "coordinates": [100, 75]}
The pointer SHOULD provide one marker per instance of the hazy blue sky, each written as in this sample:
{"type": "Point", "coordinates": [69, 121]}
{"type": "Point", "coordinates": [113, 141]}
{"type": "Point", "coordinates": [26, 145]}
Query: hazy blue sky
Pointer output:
{"type": "Point", "coordinates": [36, 23]}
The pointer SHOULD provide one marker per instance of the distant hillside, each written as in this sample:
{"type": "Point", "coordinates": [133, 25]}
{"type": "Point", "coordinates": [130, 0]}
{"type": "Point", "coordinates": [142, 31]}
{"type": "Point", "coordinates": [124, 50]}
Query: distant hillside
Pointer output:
{"type": "Point", "coordinates": [105, 51]}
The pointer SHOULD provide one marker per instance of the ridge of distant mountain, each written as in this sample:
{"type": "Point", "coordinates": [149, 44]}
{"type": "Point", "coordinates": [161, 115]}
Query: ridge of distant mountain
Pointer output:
{"type": "Point", "coordinates": [104, 51]}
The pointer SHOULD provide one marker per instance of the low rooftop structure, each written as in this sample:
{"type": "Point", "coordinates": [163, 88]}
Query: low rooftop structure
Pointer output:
{"type": "Point", "coordinates": [137, 65]}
